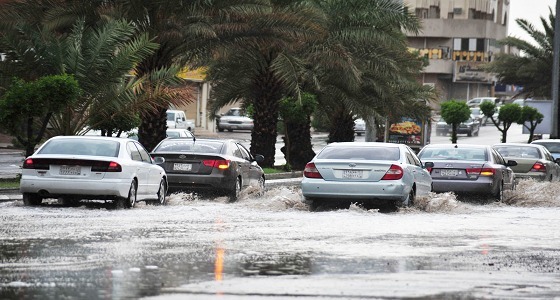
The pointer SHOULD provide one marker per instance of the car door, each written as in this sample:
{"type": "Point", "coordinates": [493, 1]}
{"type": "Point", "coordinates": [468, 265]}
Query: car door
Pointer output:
{"type": "Point", "coordinates": [140, 171]}
{"type": "Point", "coordinates": [507, 173]}
{"type": "Point", "coordinates": [154, 173]}
{"type": "Point", "coordinates": [421, 176]}
{"type": "Point", "coordinates": [554, 167]}
{"type": "Point", "coordinates": [255, 171]}
{"type": "Point", "coordinates": [244, 164]}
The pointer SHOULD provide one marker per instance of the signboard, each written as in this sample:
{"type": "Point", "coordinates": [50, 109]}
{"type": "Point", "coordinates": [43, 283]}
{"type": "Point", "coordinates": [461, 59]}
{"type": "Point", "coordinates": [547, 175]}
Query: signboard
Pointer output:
{"type": "Point", "coordinates": [545, 108]}
{"type": "Point", "coordinates": [471, 71]}
{"type": "Point", "coordinates": [408, 131]}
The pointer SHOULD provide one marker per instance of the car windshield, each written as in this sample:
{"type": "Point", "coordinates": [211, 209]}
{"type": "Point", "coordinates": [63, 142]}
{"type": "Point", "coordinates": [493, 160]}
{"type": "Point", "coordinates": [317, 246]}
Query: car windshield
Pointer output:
{"type": "Point", "coordinates": [190, 146]}
{"type": "Point", "coordinates": [475, 154]}
{"type": "Point", "coordinates": [475, 111]}
{"type": "Point", "coordinates": [360, 153]}
{"type": "Point", "coordinates": [96, 147]}
{"type": "Point", "coordinates": [518, 151]}
{"type": "Point", "coordinates": [170, 116]}
{"type": "Point", "coordinates": [552, 147]}
{"type": "Point", "coordinates": [235, 112]}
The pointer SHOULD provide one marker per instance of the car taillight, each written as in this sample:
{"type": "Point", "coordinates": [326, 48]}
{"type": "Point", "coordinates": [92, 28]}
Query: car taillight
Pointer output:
{"type": "Point", "coordinates": [311, 171]}
{"type": "Point", "coordinates": [221, 164]}
{"type": "Point", "coordinates": [538, 167]}
{"type": "Point", "coordinates": [37, 165]}
{"type": "Point", "coordinates": [114, 167]}
{"type": "Point", "coordinates": [480, 171]}
{"type": "Point", "coordinates": [394, 173]}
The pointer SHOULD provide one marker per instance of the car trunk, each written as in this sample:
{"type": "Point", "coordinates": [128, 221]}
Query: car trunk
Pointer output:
{"type": "Point", "coordinates": [188, 163]}
{"type": "Point", "coordinates": [524, 165]}
{"type": "Point", "coordinates": [456, 170]}
{"type": "Point", "coordinates": [345, 170]}
{"type": "Point", "coordinates": [70, 168]}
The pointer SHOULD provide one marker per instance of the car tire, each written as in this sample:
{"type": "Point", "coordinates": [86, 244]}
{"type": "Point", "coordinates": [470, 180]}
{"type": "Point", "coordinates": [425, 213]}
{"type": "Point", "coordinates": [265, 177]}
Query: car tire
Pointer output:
{"type": "Point", "coordinates": [499, 195]}
{"type": "Point", "coordinates": [470, 133]}
{"type": "Point", "coordinates": [261, 186]}
{"type": "Point", "coordinates": [235, 191]}
{"type": "Point", "coordinates": [70, 202]}
{"type": "Point", "coordinates": [31, 199]}
{"type": "Point", "coordinates": [220, 129]}
{"type": "Point", "coordinates": [130, 200]}
{"type": "Point", "coordinates": [230, 130]}
{"type": "Point", "coordinates": [162, 193]}
{"type": "Point", "coordinates": [477, 132]}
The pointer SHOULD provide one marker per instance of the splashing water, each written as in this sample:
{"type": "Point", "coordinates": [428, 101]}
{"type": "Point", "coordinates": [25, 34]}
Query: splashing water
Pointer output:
{"type": "Point", "coordinates": [531, 193]}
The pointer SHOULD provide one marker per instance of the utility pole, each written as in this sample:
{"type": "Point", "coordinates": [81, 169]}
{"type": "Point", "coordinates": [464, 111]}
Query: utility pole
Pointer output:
{"type": "Point", "coordinates": [556, 73]}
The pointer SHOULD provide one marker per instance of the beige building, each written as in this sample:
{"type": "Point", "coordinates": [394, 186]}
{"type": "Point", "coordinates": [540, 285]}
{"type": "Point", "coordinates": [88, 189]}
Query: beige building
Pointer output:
{"type": "Point", "coordinates": [457, 38]}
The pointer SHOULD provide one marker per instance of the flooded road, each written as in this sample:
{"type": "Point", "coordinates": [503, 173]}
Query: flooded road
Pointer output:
{"type": "Point", "coordinates": [272, 247]}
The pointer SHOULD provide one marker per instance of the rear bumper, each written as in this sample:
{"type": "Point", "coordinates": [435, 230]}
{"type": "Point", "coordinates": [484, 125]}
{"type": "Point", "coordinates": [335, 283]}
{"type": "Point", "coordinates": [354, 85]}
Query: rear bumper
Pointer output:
{"type": "Point", "coordinates": [107, 188]}
{"type": "Point", "coordinates": [332, 190]}
{"type": "Point", "coordinates": [483, 185]}
{"type": "Point", "coordinates": [199, 182]}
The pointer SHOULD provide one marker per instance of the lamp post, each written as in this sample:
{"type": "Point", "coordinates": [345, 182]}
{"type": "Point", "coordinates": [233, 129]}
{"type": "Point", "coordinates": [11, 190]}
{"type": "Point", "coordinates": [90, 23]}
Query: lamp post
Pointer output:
{"type": "Point", "coordinates": [556, 73]}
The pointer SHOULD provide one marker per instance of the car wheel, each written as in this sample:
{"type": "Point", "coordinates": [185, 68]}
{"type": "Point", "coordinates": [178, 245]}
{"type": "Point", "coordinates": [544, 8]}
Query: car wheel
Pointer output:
{"type": "Point", "coordinates": [234, 192]}
{"type": "Point", "coordinates": [230, 130]}
{"type": "Point", "coordinates": [261, 186]}
{"type": "Point", "coordinates": [411, 198]}
{"type": "Point", "coordinates": [477, 132]}
{"type": "Point", "coordinates": [220, 129]}
{"type": "Point", "coordinates": [499, 195]}
{"type": "Point", "coordinates": [314, 204]}
{"type": "Point", "coordinates": [31, 199]}
{"type": "Point", "coordinates": [129, 201]}
{"type": "Point", "coordinates": [70, 202]}
{"type": "Point", "coordinates": [470, 133]}
{"type": "Point", "coordinates": [162, 193]}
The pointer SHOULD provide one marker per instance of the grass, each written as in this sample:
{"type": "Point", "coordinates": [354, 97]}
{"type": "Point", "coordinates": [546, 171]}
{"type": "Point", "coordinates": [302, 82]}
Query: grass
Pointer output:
{"type": "Point", "coordinates": [279, 169]}
{"type": "Point", "coordinates": [10, 183]}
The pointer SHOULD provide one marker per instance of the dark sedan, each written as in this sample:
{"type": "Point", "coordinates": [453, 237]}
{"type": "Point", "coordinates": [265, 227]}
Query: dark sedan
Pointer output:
{"type": "Point", "coordinates": [210, 165]}
{"type": "Point", "coordinates": [461, 168]}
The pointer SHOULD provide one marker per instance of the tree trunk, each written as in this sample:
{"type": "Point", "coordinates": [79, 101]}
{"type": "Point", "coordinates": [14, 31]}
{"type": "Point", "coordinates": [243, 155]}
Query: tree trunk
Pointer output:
{"type": "Point", "coordinates": [371, 129]}
{"type": "Point", "coordinates": [153, 128]}
{"type": "Point", "coordinates": [342, 126]}
{"type": "Point", "coordinates": [454, 133]}
{"type": "Point", "coordinates": [298, 149]}
{"type": "Point", "coordinates": [265, 118]}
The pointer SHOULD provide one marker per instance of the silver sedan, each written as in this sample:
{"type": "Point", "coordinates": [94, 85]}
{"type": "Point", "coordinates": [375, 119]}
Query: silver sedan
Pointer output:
{"type": "Point", "coordinates": [465, 168]}
{"type": "Point", "coordinates": [533, 161]}
{"type": "Point", "coordinates": [377, 173]}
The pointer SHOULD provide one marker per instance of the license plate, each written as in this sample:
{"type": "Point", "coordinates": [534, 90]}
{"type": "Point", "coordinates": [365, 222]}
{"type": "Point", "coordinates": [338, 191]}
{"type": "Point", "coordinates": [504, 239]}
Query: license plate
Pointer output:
{"type": "Point", "coordinates": [449, 172]}
{"type": "Point", "coordinates": [182, 167]}
{"type": "Point", "coordinates": [352, 174]}
{"type": "Point", "coordinates": [70, 170]}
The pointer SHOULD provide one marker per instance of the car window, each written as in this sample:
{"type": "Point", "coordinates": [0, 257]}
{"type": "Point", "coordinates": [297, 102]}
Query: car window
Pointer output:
{"type": "Point", "coordinates": [360, 153]}
{"type": "Point", "coordinates": [190, 146]}
{"type": "Point", "coordinates": [498, 157]}
{"type": "Point", "coordinates": [173, 134]}
{"type": "Point", "coordinates": [170, 116]}
{"type": "Point", "coordinates": [246, 155]}
{"type": "Point", "coordinates": [518, 151]}
{"type": "Point", "coordinates": [143, 153]}
{"type": "Point", "coordinates": [552, 147]}
{"type": "Point", "coordinates": [234, 150]}
{"type": "Point", "coordinates": [133, 152]}
{"type": "Point", "coordinates": [475, 154]}
{"type": "Point", "coordinates": [95, 147]}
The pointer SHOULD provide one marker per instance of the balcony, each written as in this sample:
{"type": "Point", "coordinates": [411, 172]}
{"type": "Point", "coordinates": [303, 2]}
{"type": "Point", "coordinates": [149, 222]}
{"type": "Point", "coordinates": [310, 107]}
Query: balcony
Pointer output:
{"type": "Point", "coordinates": [454, 28]}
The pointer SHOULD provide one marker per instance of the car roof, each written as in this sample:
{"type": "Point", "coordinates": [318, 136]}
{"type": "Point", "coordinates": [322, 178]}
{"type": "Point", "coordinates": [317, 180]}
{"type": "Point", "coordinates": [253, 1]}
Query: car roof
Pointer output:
{"type": "Point", "coordinates": [93, 137]}
{"type": "Point", "coordinates": [546, 141]}
{"type": "Point", "coordinates": [364, 144]}
{"type": "Point", "coordinates": [455, 146]}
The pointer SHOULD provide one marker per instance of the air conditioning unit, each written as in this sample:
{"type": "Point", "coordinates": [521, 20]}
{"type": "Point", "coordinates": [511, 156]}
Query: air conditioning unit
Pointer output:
{"type": "Point", "coordinates": [457, 10]}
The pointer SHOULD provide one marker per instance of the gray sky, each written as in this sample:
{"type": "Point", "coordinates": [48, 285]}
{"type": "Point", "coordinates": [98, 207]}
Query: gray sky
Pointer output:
{"type": "Point", "coordinates": [530, 10]}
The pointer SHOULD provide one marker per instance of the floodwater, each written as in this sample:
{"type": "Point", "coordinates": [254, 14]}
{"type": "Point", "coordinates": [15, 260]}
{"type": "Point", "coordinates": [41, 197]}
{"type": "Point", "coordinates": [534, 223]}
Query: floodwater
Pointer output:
{"type": "Point", "coordinates": [274, 247]}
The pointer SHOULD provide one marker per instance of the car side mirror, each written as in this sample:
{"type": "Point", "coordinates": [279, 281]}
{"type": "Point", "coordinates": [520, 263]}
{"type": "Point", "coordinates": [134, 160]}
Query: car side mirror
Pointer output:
{"type": "Point", "coordinates": [511, 163]}
{"type": "Point", "coordinates": [259, 158]}
{"type": "Point", "coordinates": [557, 161]}
{"type": "Point", "coordinates": [428, 165]}
{"type": "Point", "coordinates": [158, 160]}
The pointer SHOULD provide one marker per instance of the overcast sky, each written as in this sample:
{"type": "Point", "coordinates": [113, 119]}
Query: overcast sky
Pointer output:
{"type": "Point", "coordinates": [530, 10]}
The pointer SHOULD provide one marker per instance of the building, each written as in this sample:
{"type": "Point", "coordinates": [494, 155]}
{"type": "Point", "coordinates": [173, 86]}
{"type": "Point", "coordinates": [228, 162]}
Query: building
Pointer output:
{"type": "Point", "coordinates": [457, 38]}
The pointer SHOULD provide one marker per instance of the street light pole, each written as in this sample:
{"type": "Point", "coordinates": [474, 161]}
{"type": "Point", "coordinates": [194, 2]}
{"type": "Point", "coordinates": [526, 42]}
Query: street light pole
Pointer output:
{"type": "Point", "coordinates": [556, 73]}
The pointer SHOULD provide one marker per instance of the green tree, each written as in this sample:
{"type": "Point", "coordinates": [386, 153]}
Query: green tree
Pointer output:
{"type": "Point", "coordinates": [27, 107]}
{"type": "Point", "coordinates": [507, 115]}
{"type": "Point", "coordinates": [532, 66]}
{"type": "Point", "coordinates": [454, 113]}
{"type": "Point", "coordinates": [531, 116]}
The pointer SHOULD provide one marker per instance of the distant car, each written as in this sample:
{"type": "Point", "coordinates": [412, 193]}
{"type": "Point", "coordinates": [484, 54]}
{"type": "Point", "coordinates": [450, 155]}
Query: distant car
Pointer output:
{"type": "Point", "coordinates": [533, 161]}
{"type": "Point", "coordinates": [469, 127]}
{"type": "Point", "coordinates": [475, 102]}
{"type": "Point", "coordinates": [224, 166]}
{"type": "Point", "coordinates": [520, 102]}
{"type": "Point", "coordinates": [478, 116]}
{"type": "Point", "coordinates": [552, 145]}
{"type": "Point", "coordinates": [178, 133]}
{"type": "Point", "coordinates": [178, 119]}
{"type": "Point", "coordinates": [464, 168]}
{"type": "Point", "coordinates": [93, 167]}
{"type": "Point", "coordinates": [235, 119]}
{"type": "Point", "coordinates": [359, 126]}
{"type": "Point", "coordinates": [376, 173]}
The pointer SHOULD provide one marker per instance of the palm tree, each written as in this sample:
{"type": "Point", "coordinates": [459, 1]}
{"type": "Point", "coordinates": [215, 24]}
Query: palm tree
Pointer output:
{"type": "Point", "coordinates": [262, 67]}
{"type": "Point", "coordinates": [531, 69]}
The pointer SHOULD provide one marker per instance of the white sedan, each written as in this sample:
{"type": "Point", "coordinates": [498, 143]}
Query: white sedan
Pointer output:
{"type": "Point", "coordinates": [72, 168]}
{"type": "Point", "coordinates": [374, 173]}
